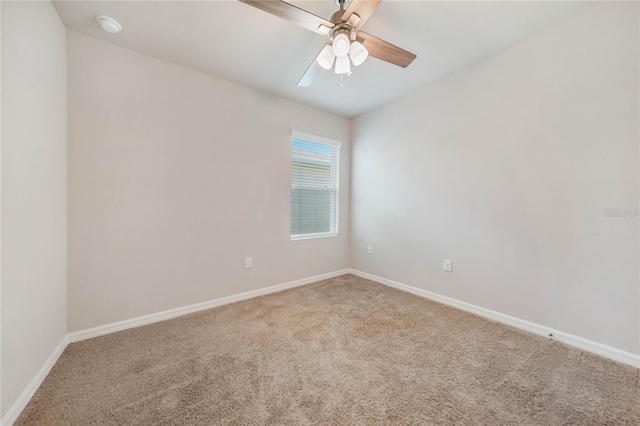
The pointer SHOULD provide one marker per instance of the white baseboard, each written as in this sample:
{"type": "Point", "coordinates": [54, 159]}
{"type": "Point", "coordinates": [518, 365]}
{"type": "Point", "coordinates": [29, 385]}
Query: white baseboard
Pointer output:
{"type": "Point", "coordinates": [26, 395]}
{"type": "Point", "coordinates": [172, 313]}
{"type": "Point", "coordinates": [579, 342]}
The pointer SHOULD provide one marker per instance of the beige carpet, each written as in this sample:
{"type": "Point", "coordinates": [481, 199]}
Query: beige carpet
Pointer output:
{"type": "Point", "coordinates": [342, 351]}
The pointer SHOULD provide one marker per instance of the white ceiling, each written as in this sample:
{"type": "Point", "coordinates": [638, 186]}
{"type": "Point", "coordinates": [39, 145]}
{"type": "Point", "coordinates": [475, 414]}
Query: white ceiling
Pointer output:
{"type": "Point", "coordinates": [237, 42]}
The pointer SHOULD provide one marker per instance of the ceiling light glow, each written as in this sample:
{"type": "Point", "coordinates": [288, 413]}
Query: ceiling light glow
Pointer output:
{"type": "Point", "coordinates": [341, 45]}
{"type": "Point", "coordinates": [343, 65]}
{"type": "Point", "coordinates": [358, 53]}
{"type": "Point", "coordinates": [326, 57]}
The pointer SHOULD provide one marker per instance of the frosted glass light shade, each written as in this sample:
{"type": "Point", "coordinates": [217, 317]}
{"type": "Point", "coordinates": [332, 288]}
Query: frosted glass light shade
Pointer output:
{"type": "Point", "coordinates": [326, 57]}
{"type": "Point", "coordinates": [341, 45]}
{"type": "Point", "coordinates": [343, 65]}
{"type": "Point", "coordinates": [358, 53]}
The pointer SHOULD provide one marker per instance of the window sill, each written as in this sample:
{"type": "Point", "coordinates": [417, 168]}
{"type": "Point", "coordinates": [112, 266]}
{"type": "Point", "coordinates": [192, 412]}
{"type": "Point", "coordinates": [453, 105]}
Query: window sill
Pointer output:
{"type": "Point", "coordinates": [312, 236]}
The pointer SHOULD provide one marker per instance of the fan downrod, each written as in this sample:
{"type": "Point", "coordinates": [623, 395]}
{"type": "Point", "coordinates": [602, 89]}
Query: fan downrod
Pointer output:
{"type": "Point", "coordinates": [336, 18]}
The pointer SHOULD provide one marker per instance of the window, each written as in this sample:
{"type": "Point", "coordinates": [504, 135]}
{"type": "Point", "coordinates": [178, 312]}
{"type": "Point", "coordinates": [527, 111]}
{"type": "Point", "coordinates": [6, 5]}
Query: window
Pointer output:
{"type": "Point", "coordinates": [315, 176]}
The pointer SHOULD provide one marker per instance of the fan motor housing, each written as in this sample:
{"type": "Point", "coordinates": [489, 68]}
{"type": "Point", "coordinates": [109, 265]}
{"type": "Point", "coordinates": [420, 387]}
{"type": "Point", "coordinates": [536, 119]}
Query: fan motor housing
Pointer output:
{"type": "Point", "coordinates": [343, 28]}
{"type": "Point", "coordinates": [336, 18]}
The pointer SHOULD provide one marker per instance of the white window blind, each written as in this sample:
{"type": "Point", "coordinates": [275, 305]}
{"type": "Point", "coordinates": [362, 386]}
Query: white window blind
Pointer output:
{"type": "Point", "coordinates": [315, 178]}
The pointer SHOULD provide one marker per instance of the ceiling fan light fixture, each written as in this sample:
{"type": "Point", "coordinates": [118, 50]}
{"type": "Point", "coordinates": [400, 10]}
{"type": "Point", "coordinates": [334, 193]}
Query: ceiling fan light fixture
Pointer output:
{"type": "Point", "coordinates": [326, 57]}
{"type": "Point", "coordinates": [358, 53]}
{"type": "Point", "coordinates": [343, 65]}
{"type": "Point", "coordinates": [342, 29]}
{"type": "Point", "coordinates": [341, 45]}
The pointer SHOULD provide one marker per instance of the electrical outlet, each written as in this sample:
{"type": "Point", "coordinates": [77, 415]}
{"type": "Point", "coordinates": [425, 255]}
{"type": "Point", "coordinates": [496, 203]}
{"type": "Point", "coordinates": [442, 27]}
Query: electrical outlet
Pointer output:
{"type": "Point", "coordinates": [248, 263]}
{"type": "Point", "coordinates": [370, 249]}
{"type": "Point", "coordinates": [448, 265]}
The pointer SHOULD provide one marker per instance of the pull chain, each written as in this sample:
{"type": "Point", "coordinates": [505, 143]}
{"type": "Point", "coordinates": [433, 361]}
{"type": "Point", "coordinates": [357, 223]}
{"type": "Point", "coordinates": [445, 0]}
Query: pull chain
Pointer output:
{"type": "Point", "coordinates": [341, 85]}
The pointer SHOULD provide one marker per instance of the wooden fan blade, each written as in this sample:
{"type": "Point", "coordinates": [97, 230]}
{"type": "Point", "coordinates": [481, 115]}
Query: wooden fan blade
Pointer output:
{"type": "Point", "coordinates": [292, 14]}
{"type": "Point", "coordinates": [311, 72]}
{"type": "Point", "coordinates": [386, 51]}
{"type": "Point", "coordinates": [363, 9]}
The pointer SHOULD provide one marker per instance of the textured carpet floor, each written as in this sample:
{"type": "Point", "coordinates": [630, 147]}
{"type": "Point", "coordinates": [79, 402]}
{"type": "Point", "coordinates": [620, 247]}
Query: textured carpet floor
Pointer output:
{"type": "Point", "coordinates": [341, 351]}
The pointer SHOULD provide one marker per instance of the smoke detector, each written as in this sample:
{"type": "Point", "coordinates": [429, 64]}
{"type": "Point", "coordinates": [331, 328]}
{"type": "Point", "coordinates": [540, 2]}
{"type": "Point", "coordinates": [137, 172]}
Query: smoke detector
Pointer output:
{"type": "Point", "coordinates": [110, 25]}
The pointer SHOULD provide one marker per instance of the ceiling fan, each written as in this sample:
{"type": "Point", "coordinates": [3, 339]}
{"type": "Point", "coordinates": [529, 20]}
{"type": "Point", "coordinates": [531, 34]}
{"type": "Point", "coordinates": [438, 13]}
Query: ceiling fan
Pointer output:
{"type": "Point", "coordinates": [346, 44]}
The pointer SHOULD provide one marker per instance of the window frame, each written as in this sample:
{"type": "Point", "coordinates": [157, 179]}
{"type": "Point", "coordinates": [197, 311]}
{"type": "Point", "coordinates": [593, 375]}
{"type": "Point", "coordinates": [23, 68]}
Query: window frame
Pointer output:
{"type": "Point", "coordinates": [334, 225]}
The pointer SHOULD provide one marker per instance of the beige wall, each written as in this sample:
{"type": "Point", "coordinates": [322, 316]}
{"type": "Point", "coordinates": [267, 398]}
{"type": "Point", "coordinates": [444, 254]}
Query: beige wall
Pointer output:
{"type": "Point", "coordinates": [34, 192]}
{"type": "Point", "coordinates": [507, 168]}
{"type": "Point", "coordinates": [174, 178]}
